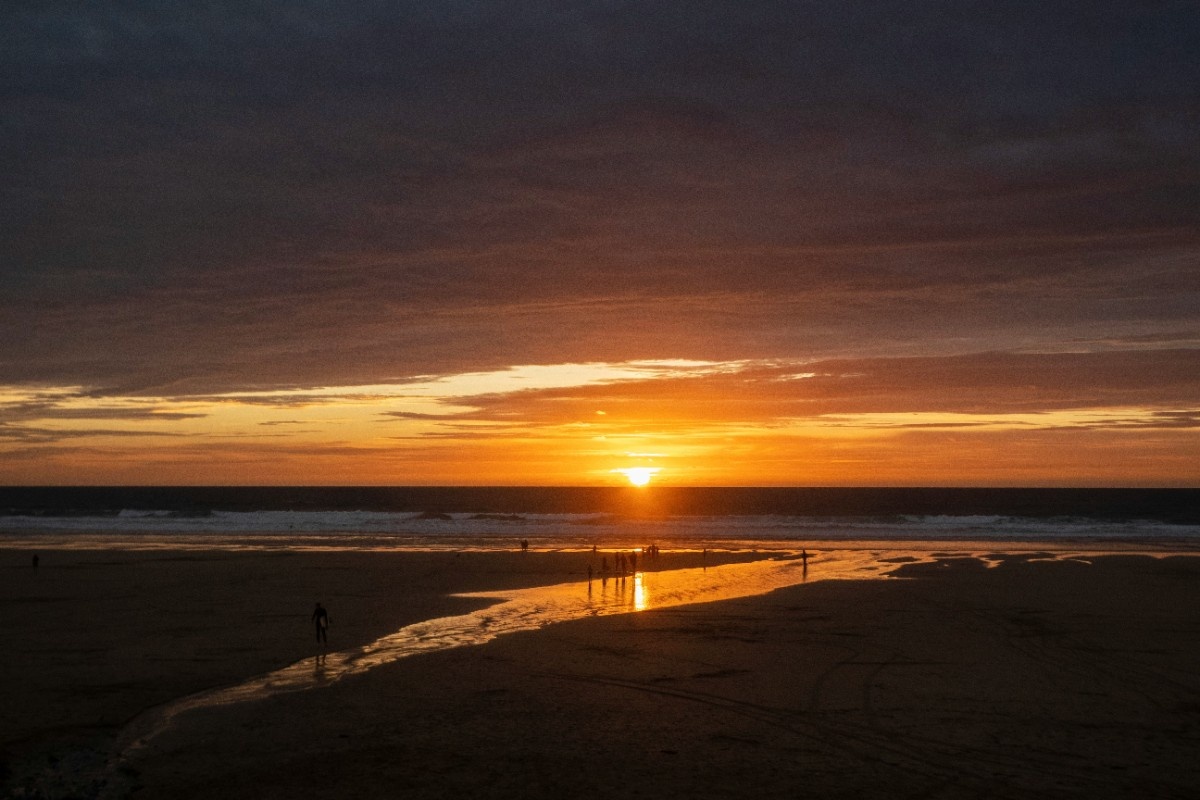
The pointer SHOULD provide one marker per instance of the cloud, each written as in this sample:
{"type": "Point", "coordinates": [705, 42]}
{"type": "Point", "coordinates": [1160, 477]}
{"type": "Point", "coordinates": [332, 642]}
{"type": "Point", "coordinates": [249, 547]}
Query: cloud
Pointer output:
{"type": "Point", "coordinates": [982, 385]}
{"type": "Point", "coordinates": [1155, 420]}
{"type": "Point", "coordinates": [1116, 415]}
{"type": "Point", "coordinates": [1109, 390]}
{"type": "Point", "coordinates": [223, 198]}
{"type": "Point", "coordinates": [1164, 339]}
{"type": "Point", "coordinates": [30, 435]}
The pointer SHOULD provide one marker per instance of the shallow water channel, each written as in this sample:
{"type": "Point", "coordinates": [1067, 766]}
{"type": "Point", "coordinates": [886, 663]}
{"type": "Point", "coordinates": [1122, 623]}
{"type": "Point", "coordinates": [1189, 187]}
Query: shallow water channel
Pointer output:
{"type": "Point", "coordinates": [530, 609]}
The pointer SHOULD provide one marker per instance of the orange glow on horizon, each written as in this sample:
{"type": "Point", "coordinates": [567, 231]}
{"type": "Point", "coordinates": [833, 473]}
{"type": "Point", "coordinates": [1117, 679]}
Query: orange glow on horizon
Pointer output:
{"type": "Point", "coordinates": [578, 424]}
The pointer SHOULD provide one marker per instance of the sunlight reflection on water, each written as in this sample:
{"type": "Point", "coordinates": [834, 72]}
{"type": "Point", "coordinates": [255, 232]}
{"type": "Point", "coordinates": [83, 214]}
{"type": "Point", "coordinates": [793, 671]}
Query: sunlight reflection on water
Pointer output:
{"type": "Point", "coordinates": [530, 609]}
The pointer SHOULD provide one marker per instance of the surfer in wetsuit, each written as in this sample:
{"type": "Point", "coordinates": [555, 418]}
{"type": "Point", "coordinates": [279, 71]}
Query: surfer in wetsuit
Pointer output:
{"type": "Point", "coordinates": [320, 619]}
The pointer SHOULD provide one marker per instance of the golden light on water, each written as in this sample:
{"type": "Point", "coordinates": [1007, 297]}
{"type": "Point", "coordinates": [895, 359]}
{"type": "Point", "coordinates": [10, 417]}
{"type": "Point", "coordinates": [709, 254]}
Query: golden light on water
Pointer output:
{"type": "Point", "coordinates": [638, 476]}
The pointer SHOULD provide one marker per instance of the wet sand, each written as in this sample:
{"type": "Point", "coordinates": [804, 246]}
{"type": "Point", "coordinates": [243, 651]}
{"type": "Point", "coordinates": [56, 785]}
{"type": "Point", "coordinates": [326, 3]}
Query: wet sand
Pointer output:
{"type": "Point", "coordinates": [1033, 678]}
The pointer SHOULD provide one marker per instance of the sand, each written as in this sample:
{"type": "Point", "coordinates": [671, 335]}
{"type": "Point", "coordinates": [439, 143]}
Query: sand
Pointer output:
{"type": "Point", "coordinates": [1030, 679]}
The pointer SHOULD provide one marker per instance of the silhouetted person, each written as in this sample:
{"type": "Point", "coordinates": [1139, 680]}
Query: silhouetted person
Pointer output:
{"type": "Point", "coordinates": [320, 618]}
{"type": "Point", "coordinates": [35, 562]}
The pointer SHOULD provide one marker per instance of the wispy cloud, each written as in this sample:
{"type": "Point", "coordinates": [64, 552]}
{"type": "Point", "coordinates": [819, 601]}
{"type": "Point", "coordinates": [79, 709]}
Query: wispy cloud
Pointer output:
{"type": "Point", "coordinates": [675, 416]}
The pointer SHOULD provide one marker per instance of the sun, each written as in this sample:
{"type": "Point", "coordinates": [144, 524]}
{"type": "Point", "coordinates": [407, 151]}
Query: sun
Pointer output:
{"type": "Point", "coordinates": [638, 476]}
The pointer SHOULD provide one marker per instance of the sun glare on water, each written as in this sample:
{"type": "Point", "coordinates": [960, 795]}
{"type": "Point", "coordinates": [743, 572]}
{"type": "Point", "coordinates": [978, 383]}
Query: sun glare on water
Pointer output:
{"type": "Point", "coordinates": [638, 476]}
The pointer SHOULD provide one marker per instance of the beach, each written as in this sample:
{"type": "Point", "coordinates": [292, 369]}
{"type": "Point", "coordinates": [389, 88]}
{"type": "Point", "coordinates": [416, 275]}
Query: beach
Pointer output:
{"type": "Point", "coordinates": [1007, 676]}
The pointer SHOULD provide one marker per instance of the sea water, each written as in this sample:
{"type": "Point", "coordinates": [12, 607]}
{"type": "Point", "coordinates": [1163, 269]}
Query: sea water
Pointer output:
{"type": "Point", "coordinates": [382, 530]}
{"type": "Point", "coordinates": [570, 518]}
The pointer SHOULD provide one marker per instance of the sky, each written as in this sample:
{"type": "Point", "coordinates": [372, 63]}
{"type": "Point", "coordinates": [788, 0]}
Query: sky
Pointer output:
{"type": "Point", "coordinates": [490, 242]}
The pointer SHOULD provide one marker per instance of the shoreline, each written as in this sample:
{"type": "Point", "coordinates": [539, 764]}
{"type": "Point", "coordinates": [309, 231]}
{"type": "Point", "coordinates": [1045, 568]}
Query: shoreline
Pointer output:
{"type": "Point", "coordinates": [411, 588]}
{"type": "Point", "coordinates": [168, 543]}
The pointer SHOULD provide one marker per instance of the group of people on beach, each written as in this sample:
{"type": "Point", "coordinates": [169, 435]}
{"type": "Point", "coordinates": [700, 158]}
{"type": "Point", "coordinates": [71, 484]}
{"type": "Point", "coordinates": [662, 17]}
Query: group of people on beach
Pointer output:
{"type": "Point", "coordinates": [624, 563]}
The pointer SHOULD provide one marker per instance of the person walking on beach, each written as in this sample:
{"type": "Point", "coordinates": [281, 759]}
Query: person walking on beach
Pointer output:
{"type": "Point", "coordinates": [320, 618]}
{"type": "Point", "coordinates": [36, 560]}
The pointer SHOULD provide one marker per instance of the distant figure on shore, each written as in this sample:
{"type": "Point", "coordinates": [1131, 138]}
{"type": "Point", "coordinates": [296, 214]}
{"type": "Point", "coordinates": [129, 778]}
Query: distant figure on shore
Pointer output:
{"type": "Point", "coordinates": [804, 562]}
{"type": "Point", "coordinates": [524, 545]}
{"type": "Point", "coordinates": [320, 618]}
{"type": "Point", "coordinates": [35, 562]}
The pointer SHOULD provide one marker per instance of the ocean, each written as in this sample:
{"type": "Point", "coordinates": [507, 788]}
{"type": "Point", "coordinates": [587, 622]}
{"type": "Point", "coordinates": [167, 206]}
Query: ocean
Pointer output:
{"type": "Point", "coordinates": [575, 518]}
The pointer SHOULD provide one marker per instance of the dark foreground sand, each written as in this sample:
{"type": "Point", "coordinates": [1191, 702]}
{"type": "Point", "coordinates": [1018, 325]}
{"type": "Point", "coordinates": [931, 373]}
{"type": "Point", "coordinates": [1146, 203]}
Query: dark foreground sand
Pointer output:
{"type": "Point", "coordinates": [1032, 679]}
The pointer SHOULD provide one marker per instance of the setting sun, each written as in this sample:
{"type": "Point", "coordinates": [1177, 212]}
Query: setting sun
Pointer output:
{"type": "Point", "coordinates": [638, 476]}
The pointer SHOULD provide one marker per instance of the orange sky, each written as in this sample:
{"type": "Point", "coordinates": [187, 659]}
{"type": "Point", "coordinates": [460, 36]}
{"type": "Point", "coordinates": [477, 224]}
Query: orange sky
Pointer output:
{"type": "Point", "coordinates": [948, 421]}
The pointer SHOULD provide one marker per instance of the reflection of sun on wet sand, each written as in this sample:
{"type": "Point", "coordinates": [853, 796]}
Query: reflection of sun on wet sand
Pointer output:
{"type": "Point", "coordinates": [1003, 676]}
{"type": "Point", "coordinates": [520, 610]}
